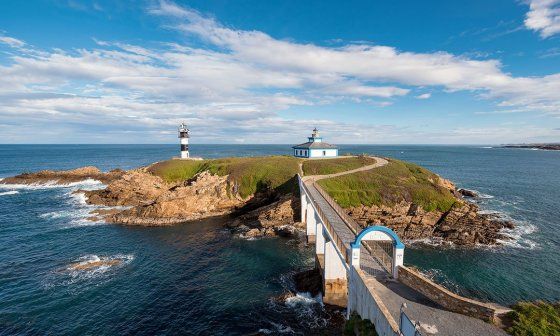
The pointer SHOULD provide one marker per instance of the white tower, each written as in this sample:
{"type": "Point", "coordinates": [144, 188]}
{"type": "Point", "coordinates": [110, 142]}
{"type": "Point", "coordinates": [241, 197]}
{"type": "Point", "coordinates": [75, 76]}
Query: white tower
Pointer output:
{"type": "Point", "coordinates": [184, 136]}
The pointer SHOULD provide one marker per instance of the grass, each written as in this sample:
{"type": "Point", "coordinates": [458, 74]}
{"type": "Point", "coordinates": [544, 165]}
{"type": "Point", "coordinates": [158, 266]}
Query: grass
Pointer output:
{"type": "Point", "coordinates": [332, 166]}
{"type": "Point", "coordinates": [535, 319]}
{"type": "Point", "coordinates": [388, 185]}
{"type": "Point", "coordinates": [248, 175]}
{"type": "Point", "coordinates": [363, 327]}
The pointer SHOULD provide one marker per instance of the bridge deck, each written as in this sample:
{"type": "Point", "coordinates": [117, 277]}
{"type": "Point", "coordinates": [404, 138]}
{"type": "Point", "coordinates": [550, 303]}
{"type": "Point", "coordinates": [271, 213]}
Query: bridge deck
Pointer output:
{"type": "Point", "coordinates": [433, 319]}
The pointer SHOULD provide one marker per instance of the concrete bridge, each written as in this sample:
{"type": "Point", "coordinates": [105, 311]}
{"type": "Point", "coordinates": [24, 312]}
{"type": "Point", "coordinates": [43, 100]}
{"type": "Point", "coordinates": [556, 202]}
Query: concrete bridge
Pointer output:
{"type": "Point", "coordinates": [363, 270]}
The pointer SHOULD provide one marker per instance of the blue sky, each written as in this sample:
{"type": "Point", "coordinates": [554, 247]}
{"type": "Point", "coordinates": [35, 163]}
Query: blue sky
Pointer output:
{"type": "Point", "coordinates": [442, 72]}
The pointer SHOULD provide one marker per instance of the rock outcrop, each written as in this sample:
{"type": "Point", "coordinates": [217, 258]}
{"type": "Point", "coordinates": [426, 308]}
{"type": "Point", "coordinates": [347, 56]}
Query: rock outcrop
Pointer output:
{"type": "Point", "coordinates": [154, 202]}
{"type": "Point", "coordinates": [461, 225]}
{"type": "Point", "coordinates": [277, 218]}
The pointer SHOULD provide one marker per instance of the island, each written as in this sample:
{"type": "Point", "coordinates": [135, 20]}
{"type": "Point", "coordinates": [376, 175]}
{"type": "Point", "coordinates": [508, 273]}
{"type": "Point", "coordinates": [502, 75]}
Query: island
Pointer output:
{"type": "Point", "coordinates": [259, 196]}
{"type": "Point", "coordinates": [543, 146]}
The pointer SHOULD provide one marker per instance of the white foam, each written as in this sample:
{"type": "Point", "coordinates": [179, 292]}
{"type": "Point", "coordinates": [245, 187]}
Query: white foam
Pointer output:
{"type": "Point", "coordinates": [87, 184]}
{"type": "Point", "coordinates": [517, 236]}
{"type": "Point", "coordinates": [11, 192]}
{"type": "Point", "coordinates": [303, 299]}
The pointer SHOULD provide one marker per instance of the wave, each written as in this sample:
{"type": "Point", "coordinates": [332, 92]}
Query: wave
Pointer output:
{"type": "Point", "coordinates": [518, 236]}
{"type": "Point", "coordinates": [11, 192]}
{"type": "Point", "coordinates": [87, 184]}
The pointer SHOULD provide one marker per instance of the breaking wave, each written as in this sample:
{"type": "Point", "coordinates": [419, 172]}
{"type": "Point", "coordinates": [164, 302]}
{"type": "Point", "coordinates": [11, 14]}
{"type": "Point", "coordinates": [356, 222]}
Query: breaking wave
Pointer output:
{"type": "Point", "coordinates": [518, 236]}
{"type": "Point", "coordinates": [11, 192]}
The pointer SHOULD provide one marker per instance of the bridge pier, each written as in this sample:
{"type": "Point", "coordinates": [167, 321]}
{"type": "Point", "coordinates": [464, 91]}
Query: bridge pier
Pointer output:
{"type": "Point", "coordinates": [311, 223]}
{"type": "Point", "coordinates": [335, 281]}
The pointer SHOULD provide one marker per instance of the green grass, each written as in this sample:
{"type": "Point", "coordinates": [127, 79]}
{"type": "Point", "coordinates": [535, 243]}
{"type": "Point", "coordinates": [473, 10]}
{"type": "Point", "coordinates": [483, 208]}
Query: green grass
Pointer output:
{"type": "Point", "coordinates": [363, 327]}
{"type": "Point", "coordinates": [332, 166]}
{"type": "Point", "coordinates": [248, 174]}
{"type": "Point", "coordinates": [388, 185]}
{"type": "Point", "coordinates": [535, 319]}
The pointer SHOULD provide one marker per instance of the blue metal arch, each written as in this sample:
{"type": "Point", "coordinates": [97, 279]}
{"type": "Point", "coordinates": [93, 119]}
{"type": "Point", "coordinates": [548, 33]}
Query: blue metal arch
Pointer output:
{"type": "Point", "coordinates": [396, 241]}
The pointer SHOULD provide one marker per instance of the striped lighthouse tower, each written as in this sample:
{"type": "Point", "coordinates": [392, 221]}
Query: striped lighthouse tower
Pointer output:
{"type": "Point", "coordinates": [184, 136]}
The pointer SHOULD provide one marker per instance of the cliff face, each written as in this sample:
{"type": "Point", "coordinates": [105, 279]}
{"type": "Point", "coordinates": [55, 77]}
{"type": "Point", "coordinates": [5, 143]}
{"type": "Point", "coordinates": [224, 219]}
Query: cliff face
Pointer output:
{"type": "Point", "coordinates": [277, 218]}
{"type": "Point", "coordinates": [154, 202]}
{"type": "Point", "coordinates": [461, 225]}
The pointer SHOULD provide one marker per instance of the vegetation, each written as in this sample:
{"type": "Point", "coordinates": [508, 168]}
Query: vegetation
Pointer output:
{"type": "Point", "coordinates": [332, 166]}
{"type": "Point", "coordinates": [248, 174]}
{"type": "Point", "coordinates": [363, 327]}
{"type": "Point", "coordinates": [388, 185]}
{"type": "Point", "coordinates": [535, 319]}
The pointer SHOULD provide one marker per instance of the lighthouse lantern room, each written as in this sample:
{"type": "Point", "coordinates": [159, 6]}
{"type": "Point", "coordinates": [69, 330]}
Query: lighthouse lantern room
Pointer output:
{"type": "Point", "coordinates": [184, 138]}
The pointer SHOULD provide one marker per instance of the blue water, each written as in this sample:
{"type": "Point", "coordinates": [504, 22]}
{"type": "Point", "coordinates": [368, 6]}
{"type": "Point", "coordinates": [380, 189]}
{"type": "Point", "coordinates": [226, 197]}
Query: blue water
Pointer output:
{"type": "Point", "coordinates": [198, 279]}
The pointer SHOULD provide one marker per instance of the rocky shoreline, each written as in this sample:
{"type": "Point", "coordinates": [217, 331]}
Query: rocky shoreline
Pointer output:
{"type": "Point", "coordinates": [145, 199]}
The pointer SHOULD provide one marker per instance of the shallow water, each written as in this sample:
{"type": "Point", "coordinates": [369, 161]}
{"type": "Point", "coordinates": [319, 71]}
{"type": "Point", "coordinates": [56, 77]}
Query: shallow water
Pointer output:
{"type": "Point", "coordinates": [198, 279]}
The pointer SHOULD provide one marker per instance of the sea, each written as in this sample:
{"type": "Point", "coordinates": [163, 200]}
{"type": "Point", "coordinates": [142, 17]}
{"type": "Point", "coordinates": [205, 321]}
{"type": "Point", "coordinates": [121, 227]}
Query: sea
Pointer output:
{"type": "Point", "coordinates": [199, 279]}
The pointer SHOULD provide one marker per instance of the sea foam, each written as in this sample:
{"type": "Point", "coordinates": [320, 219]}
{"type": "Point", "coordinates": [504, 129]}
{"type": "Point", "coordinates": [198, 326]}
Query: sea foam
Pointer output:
{"type": "Point", "coordinates": [11, 192]}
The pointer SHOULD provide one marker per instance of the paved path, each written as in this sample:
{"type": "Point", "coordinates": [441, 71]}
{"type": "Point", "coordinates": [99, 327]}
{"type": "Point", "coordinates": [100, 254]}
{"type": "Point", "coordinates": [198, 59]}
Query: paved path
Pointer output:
{"type": "Point", "coordinates": [433, 319]}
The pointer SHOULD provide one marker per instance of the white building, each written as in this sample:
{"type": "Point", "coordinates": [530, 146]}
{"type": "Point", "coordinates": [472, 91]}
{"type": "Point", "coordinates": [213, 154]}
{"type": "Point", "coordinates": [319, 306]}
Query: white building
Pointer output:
{"type": "Point", "coordinates": [315, 148]}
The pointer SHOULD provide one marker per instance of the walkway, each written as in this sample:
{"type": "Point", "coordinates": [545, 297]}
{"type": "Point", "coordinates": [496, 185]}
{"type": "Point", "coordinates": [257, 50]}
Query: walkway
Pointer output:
{"type": "Point", "coordinates": [433, 319]}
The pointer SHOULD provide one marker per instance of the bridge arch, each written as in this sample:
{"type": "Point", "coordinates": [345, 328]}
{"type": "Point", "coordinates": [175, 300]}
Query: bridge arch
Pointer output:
{"type": "Point", "coordinates": [376, 233]}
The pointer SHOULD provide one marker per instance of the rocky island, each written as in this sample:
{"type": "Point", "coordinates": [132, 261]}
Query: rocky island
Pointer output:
{"type": "Point", "coordinates": [259, 196]}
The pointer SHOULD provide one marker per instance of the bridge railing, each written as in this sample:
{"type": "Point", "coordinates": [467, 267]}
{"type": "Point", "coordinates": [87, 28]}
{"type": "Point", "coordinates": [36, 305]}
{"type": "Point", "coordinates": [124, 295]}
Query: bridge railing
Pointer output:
{"type": "Point", "coordinates": [336, 239]}
{"type": "Point", "coordinates": [378, 249]}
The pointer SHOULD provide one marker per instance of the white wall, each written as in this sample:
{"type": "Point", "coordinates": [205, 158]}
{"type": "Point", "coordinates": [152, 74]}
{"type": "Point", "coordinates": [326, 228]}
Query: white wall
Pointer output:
{"type": "Point", "coordinates": [323, 153]}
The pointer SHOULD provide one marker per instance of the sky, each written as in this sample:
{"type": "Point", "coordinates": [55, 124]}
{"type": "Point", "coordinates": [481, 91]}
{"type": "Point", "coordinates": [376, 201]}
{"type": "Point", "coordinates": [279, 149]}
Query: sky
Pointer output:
{"type": "Point", "coordinates": [253, 71]}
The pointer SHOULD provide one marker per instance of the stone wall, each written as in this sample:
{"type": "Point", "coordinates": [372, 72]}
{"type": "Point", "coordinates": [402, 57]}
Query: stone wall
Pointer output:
{"type": "Point", "coordinates": [364, 301]}
{"type": "Point", "coordinates": [446, 298]}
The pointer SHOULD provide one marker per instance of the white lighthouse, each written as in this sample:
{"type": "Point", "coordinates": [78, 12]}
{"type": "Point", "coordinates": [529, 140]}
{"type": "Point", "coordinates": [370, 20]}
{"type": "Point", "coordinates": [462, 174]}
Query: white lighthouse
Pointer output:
{"type": "Point", "coordinates": [184, 136]}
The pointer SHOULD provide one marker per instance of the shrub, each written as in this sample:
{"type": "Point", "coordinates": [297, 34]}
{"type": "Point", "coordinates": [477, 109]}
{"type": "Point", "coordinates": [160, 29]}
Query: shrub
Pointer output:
{"type": "Point", "coordinates": [535, 319]}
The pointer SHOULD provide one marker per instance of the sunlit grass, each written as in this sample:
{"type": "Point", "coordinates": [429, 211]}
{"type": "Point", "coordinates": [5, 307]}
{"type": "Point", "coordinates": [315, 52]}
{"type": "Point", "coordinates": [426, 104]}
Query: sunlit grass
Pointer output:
{"type": "Point", "coordinates": [332, 166]}
{"type": "Point", "coordinates": [248, 175]}
{"type": "Point", "coordinates": [388, 185]}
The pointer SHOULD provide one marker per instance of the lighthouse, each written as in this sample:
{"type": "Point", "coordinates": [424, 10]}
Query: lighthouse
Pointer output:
{"type": "Point", "coordinates": [184, 138]}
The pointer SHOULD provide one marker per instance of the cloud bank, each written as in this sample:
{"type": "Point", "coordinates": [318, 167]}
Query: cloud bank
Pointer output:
{"type": "Point", "coordinates": [237, 82]}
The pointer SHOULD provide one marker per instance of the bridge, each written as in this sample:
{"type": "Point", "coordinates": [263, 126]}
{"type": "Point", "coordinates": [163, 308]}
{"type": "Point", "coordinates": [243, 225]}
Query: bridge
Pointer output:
{"type": "Point", "coordinates": [362, 269]}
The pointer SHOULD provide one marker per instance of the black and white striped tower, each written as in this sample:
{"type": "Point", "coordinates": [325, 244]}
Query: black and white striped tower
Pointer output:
{"type": "Point", "coordinates": [184, 136]}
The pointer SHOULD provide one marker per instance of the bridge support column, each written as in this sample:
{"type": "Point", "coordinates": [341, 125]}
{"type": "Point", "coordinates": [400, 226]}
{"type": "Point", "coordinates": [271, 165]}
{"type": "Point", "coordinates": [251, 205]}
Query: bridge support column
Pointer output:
{"type": "Point", "coordinates": [320, 247]}
{"type": "Point", "coordinates": [398, 258]}
{"type": "Point", "coordinates": [335, 283]}
{"type": "Point", "coordinates": [303, 207]}
{"type": "Point", "coordinates": [311, 223]}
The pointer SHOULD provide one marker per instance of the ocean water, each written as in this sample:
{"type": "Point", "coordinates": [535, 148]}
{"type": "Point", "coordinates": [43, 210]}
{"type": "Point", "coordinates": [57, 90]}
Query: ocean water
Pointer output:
{"type": "Point", "coordinates": [198, 279]}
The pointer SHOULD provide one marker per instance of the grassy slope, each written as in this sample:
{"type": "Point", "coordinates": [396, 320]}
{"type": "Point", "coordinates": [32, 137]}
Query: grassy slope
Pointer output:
{"type": "Point", "coordinates": [388, 185]}
{"type": "Point", "coordinates": [331, 166]}
{"type": "Point", "coordinates": [251, 174]}
{"type": "Point", "coordinates": [535, 319]}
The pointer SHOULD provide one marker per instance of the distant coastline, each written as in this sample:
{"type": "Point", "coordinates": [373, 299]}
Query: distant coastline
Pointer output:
{"type": "Point", "coordinates": [543, 146]}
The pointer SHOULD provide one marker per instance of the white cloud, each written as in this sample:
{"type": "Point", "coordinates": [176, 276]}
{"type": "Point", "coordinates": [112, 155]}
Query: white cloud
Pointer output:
{"type": "Point", "coordinates": [240, 82]}
{"type": "Point", "coordinates": [544, 17]}
{"type": "Point", "coordinates": [424, 96]}
{"type": "Point", "coordinates": [12, 42]}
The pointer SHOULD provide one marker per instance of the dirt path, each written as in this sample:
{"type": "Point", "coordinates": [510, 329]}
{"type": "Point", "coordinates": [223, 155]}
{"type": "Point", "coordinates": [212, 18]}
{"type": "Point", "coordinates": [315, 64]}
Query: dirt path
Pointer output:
{"type": "Point", "coordinates": [379, 162]}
